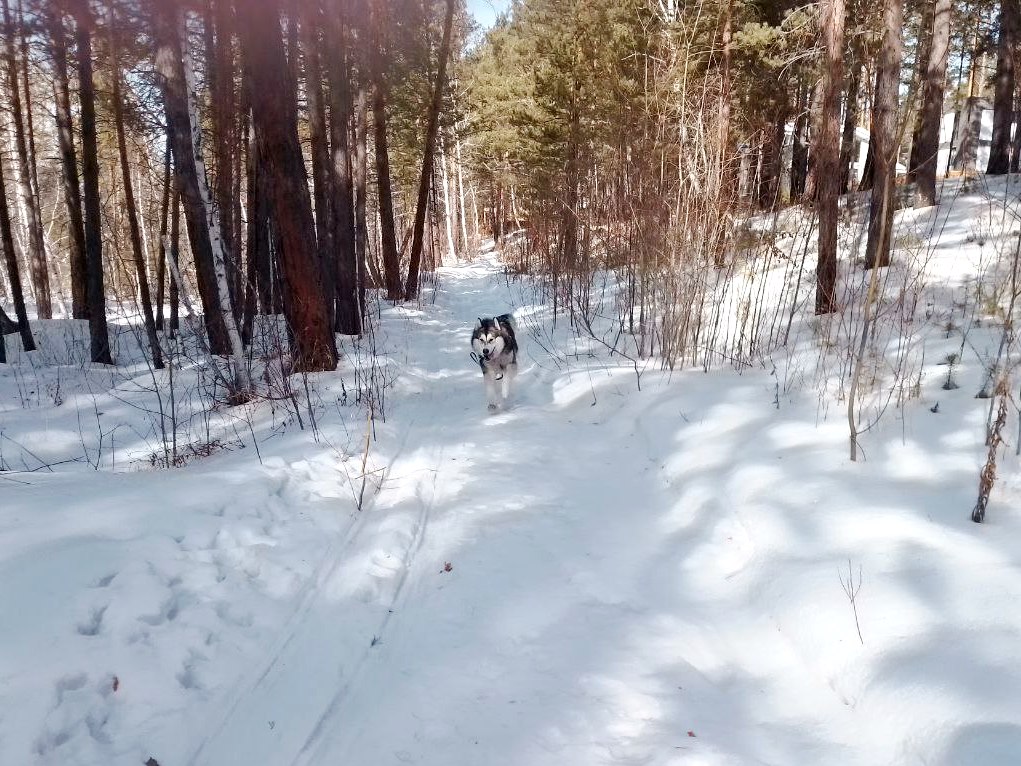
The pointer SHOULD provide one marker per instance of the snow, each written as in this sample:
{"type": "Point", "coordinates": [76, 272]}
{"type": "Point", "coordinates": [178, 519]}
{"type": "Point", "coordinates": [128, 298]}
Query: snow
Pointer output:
{"type": "Point", "coordinates": [599, 574]}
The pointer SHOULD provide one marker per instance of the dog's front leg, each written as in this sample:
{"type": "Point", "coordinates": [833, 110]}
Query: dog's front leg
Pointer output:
{"type": "Point", "coordinates": [508, 379]}
{"type": "Point", "coordinates": [490, 376]}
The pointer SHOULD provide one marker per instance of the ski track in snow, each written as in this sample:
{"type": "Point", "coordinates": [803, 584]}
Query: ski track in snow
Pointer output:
{"type": "Point", "coordinates": [319, 614]}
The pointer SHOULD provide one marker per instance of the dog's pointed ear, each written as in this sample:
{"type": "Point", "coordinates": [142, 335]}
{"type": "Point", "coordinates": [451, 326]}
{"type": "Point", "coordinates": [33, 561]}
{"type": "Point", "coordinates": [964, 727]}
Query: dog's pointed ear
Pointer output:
{"type": "Point", "coordinates": [478, 322]}
{"type": "Point", "coordinates": [496, 322]}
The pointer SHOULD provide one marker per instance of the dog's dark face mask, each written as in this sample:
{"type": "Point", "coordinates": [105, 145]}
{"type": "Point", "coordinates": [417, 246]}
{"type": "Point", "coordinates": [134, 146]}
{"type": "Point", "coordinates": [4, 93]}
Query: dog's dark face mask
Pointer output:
{"type": "Point", "coordinates": [487, 339]}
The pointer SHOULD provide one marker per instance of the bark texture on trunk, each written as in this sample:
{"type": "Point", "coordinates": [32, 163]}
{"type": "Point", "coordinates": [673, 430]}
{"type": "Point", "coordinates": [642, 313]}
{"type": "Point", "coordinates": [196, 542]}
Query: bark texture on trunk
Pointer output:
{"type": "Point", "coordinates": [134, 230]}
{"type": "Point", "coordinates": [95, 289]}
{"type": "Point", "coordinates": [173, 83]}
{"type": "Point", "coordinates": [343, 273]}
{"type": "Point", "coordinates": [1003, 99]}
{"type": "Point", "coordinates": [68, 160]}
{"type": "Point", "coordinates": [275, 119]}
{"type": "Point", "coordinates": [884, 138]}
{"type": "Point", "coordinates": [827, 154]}
{"type": "Point", "coordinates": [411, 287]}
{"type": "Point", "coordinates": [388, 233]}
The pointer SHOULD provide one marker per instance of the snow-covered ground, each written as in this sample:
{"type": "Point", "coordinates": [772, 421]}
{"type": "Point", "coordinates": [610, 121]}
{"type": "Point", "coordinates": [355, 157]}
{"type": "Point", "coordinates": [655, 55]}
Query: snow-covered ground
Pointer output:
{"type": "Point", "coordinates": [599, 575]}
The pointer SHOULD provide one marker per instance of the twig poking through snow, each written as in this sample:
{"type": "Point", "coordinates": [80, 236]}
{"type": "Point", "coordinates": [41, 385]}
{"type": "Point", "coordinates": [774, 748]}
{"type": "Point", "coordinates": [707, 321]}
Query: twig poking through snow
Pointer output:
{"type": "Point", "coordinates": [851, 589]}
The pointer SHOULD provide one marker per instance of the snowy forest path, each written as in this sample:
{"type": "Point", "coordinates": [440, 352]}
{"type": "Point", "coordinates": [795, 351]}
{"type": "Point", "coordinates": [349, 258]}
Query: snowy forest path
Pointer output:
{"type": "Point", "coordinates": [358, 584]}
{"type": "Point", "coordinates": [536, 556]}
{"type": "Point", "coordinates": [525, 587]}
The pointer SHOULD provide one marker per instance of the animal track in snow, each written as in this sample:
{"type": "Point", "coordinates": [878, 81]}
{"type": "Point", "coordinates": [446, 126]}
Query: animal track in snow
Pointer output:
{"type": "Point", "coordinates": [226, 612]}
{"type": "Point", "coordinates": [70, 683]}
{"type": "Point", "coordinates": [96, 721]}
{"type": "Point", "coordinates": [52, 738]}
{"type": "Point", "coordinates": [168, 612]}
{"type": "Point", "coordinates": [94, 624]}
{"type": "Point", "coordinates": [105, 581]}
{"type": "Point", "coordinates": [187, 677]}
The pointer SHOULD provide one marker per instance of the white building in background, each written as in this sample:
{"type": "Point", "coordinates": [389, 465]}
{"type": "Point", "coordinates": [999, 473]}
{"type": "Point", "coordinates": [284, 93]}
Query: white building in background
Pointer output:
{"type": "Point", "coordinates": [946, 136]}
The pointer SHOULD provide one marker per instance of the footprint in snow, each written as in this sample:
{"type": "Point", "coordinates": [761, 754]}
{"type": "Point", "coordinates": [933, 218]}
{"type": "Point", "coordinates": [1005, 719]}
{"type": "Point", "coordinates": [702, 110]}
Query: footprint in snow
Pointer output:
{"type": "Point", "coordinates": [94, 624]}
{"type": "Point", "coordinates": [104, 582]}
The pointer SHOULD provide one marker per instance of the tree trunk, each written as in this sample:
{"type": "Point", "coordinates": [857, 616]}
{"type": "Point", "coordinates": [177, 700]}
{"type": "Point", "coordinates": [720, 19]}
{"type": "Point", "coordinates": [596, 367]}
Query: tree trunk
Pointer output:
{"type": "Point", "coordinates": [255, 226]}
{"type": "Point", "coordinates": [30, 133]}
{"type": "Point", "coordinates": [884, 137]}
{"type": "Point", "coordinates": [237, 211]}
{"type": "Point", "coordinates": [1015, 154]}
{"type": "Point", "coordinates": [36, 241]}
{"type": "Point", "coordinates": [965, 145]}
{"type": "Point", "coordinates": [175, 257]}
{"type": "Point", "coordinates": [799, 148]}
{"type": "Point", "coordinates": [728, 175]}
{"type": "Point", "coordinates": [411, 287]}
{"type": "Point", "coordinates": [275, 119]}
{"type": "Point", "coordinates": [129, 204]}
{"type": "Point", "coordinates": [868, 172]}
{"type": "Point", "coordinates": [812, 175]}
{"type": "Point", "coordinates": [847, 142]}
{"type": "Point", "coordinates": [448, 211]}
{"type": "Point", "coordinates": [768, 194]}
{"type": "Point", "coordinates": [96, 294]}
{"type": "Point", "coordinates": [239, 387]}
{"type": "Point", "coordinates": [68, 161]}
{"type": "Point", "coordinates": [361, 175]}
{"type": "Point", "coordinates": [260, 270]}
{"type": "Point", "coordinates": [343, 274]}
{"type": "Point", "coordinates": [13, 273]}
{"type": "Point", "coordinates": [391, 257]}
{"type": "Point", "coordinates": [187, 157]}
{"type": "Point", "coordinates": [826, 148]}
{"type": "Point", "coordinates": [475, 212]}
{"type": "Point", "coordinates": [922, 55]}
{"type": "Point", "coordinates": [220, 67]}
{"type": "Point", "coordinates": [161, 264]}
{"type": "Point", "coordinates": [572, 178]}
{"type": "Point", "coordinates": [311, 23]}
{"type": "Point", "coordinates": [6, 325]}
{"type": "Point", "coordinates": [460, 196]}
{"type": "Point", "coordinates": [1003, 99]}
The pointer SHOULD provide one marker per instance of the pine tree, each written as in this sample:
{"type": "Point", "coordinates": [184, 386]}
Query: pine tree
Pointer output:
{"type": "Point", "coordinates": [274, 112]}
{"type": "Point", "coordinates": [92, 208]}
{"type": "Point", "coordinates": [68, 158]}
{"type": "Point", "coordinates": [932, 104]}
{"type": "Point", "coordinates": [170, 66]}
{"type": "Point", "coordinates": [884, 137]}
{"type": "Point", "coordinates": [827, 153]}
{"type": "Point", "coordinates": [1003, 100]}
{"type": "Point", "coordinates": [411, 288]}
{"type": "Point", "coordinates": [343, 274]}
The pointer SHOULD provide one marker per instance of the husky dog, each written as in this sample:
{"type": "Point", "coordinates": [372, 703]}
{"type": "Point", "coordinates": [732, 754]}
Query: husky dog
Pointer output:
{"type": "Point", "coordinates": [496, 351]}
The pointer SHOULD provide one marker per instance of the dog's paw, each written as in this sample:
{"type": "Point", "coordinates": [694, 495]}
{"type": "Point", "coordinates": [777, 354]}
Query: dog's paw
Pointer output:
{"type": "Point", "coordinates": [493, 408]}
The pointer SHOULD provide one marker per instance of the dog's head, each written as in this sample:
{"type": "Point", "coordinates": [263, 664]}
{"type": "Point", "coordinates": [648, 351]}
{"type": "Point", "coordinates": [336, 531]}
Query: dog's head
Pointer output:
{"type": "Point", "coordinates": [488, 339]}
